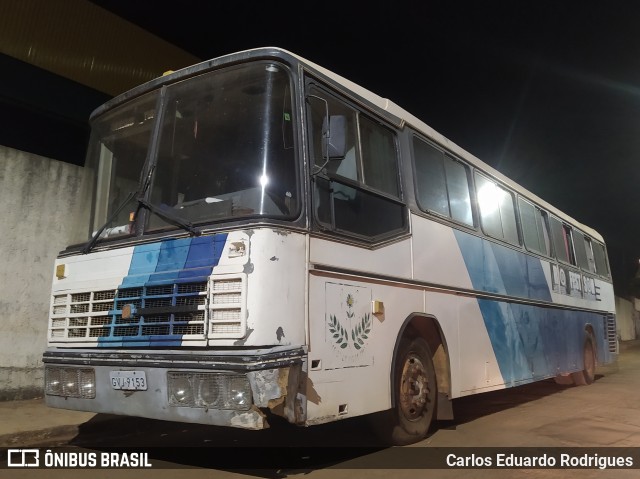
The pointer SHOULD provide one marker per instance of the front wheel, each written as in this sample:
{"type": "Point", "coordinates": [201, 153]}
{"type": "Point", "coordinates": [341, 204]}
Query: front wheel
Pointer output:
{"type": "Point", "coordinates": [416, 391]}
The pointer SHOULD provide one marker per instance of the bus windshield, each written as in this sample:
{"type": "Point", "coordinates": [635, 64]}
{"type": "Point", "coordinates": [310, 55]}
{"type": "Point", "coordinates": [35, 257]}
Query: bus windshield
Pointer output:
{"type": "Point", "coordinates": [224, 149]}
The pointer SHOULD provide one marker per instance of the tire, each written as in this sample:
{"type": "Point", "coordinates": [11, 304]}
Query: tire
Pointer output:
{"type": "Point", "coordinates": [588, 373]}
{"type": "Point", "coordinates": [415, 388]}
{"type": "Point", "coordinates": [564, 380]}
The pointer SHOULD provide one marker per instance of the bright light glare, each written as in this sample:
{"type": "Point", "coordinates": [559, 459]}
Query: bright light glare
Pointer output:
{"type": "Point", "coordinates": [264, 180]}
{"type": "Point", "coordinates": [489, 197]}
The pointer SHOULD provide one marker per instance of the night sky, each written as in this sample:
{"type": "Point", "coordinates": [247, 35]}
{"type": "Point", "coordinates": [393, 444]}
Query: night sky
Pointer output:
{"type": "Point", "coordinates": [547, 92]}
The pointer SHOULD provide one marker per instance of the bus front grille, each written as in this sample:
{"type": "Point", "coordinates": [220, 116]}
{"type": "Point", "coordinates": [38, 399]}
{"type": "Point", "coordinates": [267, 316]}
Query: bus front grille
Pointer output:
{"type": "Point", "coordinates": [176, 311]}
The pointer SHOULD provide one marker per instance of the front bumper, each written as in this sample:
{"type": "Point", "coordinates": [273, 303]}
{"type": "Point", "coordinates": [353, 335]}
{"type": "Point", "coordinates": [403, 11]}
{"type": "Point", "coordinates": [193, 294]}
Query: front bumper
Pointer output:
{"type": "Point", "coordinates": [272, 375]}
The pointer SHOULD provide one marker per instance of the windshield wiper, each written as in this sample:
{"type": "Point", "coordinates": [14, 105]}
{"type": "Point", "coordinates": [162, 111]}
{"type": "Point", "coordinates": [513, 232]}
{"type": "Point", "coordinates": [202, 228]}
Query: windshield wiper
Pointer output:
{"type": "Point", "coordinates": [187, 225]}
{"type": "Point", "coordinates": [184, 224]}
{"type": "Point", "coordinates": [92, 242]}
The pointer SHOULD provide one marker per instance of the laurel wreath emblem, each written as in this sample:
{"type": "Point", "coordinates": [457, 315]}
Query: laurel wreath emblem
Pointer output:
{"type": "Point", "coordinates": [358, 334]}
{"type": "Point", "coordinates": [338, 332]}
{"type": "Point", "coordinates": [361, 331]}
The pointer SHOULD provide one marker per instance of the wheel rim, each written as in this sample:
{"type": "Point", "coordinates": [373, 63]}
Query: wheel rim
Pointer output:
{"type": "Point", "coordinates": [414, 388]}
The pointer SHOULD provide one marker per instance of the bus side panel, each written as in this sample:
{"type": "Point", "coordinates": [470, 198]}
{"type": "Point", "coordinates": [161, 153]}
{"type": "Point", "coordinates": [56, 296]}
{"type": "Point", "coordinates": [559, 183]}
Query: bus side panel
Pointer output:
{"type": "Point", "coordinates": [533, 343]}
{"type": "Point", "coordinates": [436, 256]}
{"type": "Point", "coordinates": [351, 348]}
{"type": "Point", "coordinates": [276, 288]}
{"type": "Point", "coordinates": [390, 260]}
{"type": "Point", "coordinates": [530, 342]}
{"type": "Point", "coordinates": [474, 366]}
{"type": "Point", "coordinates": [350, 345]}
{"type": "Point", "coordinates": [503, 343]}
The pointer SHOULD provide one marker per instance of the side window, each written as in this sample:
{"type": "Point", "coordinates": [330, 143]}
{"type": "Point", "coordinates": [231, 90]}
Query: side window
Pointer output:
{"type": "Point", "coordinates": [345, 167]}
{"type": "Point", "coordinates": [458, 189]}
{"type": "Point", "coordinates": [442, 183]}
{"type": "Point", "coordinates": [534, 228]}
{"type": "Point", "coordinates": [562, 243]}
{"type": "Point", "coordinates": [380, 164]}
{"type": "Point", "coordinates": [580, 244]}
{"type": "Point", "coordinates": [559, 244]}
{"type": "Point", "coordinates": [357, 193]}
{"type": "Point", "coordinates": [432, 192]}
{"type": "Point", "coordinates": [497, 211]}
{"type": "Point", "coordinates": [600, 257]}
{"type": "Point", "coordinates": [591, 262]}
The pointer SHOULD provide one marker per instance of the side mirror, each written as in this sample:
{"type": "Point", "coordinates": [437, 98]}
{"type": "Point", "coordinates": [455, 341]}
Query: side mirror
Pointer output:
{"type": "Point", "coordinates": [334, 136]}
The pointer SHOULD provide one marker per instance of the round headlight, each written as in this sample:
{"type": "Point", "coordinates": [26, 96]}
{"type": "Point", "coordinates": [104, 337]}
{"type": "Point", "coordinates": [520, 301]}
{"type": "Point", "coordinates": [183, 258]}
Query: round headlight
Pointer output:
{"type": "Point", "coordinates": [239, 393]}
{"type": "Point", "coordinates": [209, 391]}
{"type": "Point", "coordinates": [69, 380]}
{"type": "Point", "coordinates": [54, 384]}
{"type": "Point", "coordinates": [181, 391]}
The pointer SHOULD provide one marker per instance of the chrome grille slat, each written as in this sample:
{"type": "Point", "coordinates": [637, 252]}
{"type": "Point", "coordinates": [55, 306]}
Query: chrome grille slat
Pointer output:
{"type": "Point", "coordinates": [227, 307]}
{"type": "Point", "coordinates": [80, 308]}
{"type": "Point", "coordinates": [104, 295]}
{"type": "Point", "coordinates": [129, 293]}
{"type": "Point", "coordinates": [159, 290]}
{"type": "Point", "coordinates": [106, 306]}
{"type": "Point", "coordinates": [81, 297]}
{"type": "Point", "coordinates": [184, 288]}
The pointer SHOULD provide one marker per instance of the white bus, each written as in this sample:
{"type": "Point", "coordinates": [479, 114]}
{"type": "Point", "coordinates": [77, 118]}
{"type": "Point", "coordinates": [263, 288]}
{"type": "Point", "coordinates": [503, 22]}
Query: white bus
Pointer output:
{"type": "Point", "coordinates": [269, 238]}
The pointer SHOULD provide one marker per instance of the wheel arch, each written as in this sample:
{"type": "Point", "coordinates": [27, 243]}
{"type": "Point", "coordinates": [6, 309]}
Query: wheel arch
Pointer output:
{"type": "Point", "coordinates": [428, 327]}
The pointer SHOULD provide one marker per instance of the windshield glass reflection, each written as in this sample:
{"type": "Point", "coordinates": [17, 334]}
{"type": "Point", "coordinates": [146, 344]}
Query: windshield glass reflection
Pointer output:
{"type": "Point", "coordinates": [226, 147]}
{"type": "Point", "coordinates": [225, 150]}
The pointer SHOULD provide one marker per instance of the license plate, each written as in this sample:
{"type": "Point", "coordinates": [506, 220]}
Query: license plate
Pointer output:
{"type": "Point", "coordinates": [128, 380]}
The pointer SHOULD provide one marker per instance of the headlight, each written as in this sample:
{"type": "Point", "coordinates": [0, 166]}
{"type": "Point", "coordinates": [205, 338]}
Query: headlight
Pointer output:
{"type": "Point", "coordinates": [70, 382]}
{"type": "Point", "coordinates": [53, 384]}
{"type": "Point", "coordinates": [180, 389]}
{"type": "Point", "coordinates": [209, 390]}
{"type": "Point", "coordinates": [240, 393]}
{"type": "Point", "coordinates": [69, 379]}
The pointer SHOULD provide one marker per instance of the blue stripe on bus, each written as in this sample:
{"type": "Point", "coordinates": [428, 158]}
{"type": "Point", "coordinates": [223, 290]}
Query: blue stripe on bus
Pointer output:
{"type": "Point", "coordinates": [532, 342]}
{"type": "Point", "coordinates": [202, 252]}
{"type": "Point", "coordinates": [163, 263]}
{"type": "Point", "coordinates": [172, 258]}
{"type": "Point", "coordinates": [529, 342]}
{"type": "Point", "coordinates": [494, 268]}
{"type": "Point", "coordinates": [143, 263]}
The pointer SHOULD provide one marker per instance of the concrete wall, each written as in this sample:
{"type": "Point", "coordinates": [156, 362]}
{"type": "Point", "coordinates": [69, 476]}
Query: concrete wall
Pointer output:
{"type": "Point", "coordinates": [625, 319]}
{"type": "Point", "coordinates": [44, 206]}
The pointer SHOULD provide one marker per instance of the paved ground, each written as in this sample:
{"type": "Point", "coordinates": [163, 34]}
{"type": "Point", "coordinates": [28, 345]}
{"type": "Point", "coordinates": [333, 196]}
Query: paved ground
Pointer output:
{"type": "Point", "coordinates": [605, 414]}
{"type": "Point", "coordinates": [29, 422]}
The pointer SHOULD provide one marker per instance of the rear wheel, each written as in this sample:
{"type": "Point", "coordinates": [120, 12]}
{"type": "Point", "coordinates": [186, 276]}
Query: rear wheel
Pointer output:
{"type": "Point", "coordinates": [416, 393]}
{"type": "Point", "coordinates": [588, 373]}
{"type": "Point", "coordinates": [564, 380]}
